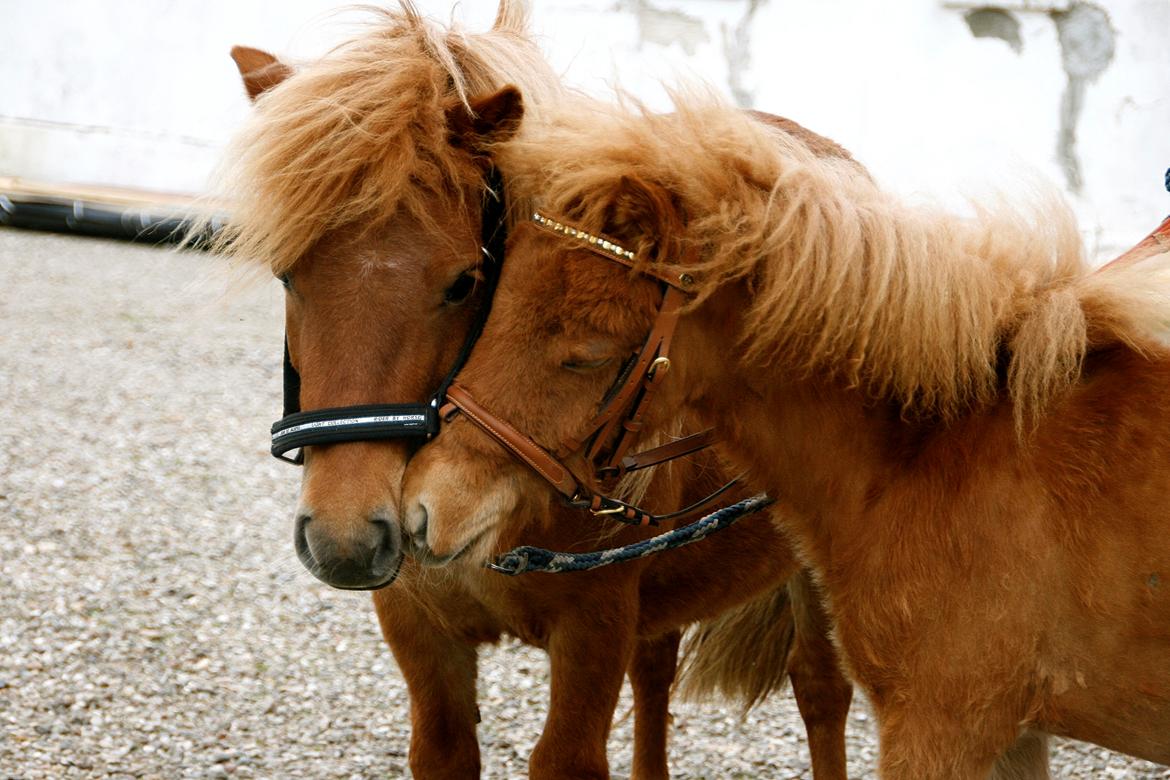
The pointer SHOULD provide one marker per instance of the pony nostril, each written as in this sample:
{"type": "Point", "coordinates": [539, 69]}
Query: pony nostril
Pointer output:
{"type": "Point", "coordinates": [300, 537]}
{"type": "Point", "coordinates": [417, 520]}
{"type": "Point", "coordinates": [389, 540]}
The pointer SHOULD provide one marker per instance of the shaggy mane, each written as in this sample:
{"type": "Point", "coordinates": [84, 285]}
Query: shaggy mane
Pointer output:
{"type": "Point", "coordinates": [904, 301]}
{"type": "Point", "coordinates": [350, 139]}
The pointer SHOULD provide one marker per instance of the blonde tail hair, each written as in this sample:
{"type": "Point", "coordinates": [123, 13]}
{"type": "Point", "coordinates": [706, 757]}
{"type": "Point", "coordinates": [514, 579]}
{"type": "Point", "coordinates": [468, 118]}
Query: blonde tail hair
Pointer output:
{"type": "Point", "coordinates": [741, 654]}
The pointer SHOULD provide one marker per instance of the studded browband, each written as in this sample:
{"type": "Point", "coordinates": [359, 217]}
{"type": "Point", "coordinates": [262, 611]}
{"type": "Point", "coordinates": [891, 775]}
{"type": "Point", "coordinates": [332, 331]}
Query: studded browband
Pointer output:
{"type": "Point", "coordinates": [610, 434]}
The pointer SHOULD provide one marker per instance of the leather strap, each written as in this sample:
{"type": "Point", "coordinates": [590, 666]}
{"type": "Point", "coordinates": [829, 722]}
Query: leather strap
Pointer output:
{"type": "Point", "coordinates": [661, 334]}
{"type": "Point", "coordinates": [544, 464]}
{"type": "Point", "coordinates": [608, 434]}
{"type": "Point", "coordinates": [634, 515]}
{"type": "Point", "coordinates": [679, 448]}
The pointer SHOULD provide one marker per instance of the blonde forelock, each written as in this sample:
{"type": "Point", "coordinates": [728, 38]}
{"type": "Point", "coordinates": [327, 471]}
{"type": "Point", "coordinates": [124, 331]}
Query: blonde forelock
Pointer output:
{"type": "Point", "coordinates": [360, 135]}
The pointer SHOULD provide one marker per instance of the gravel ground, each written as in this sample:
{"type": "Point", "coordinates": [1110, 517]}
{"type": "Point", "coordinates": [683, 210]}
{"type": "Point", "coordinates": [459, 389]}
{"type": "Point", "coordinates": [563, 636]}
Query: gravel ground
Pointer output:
{"type": "Point", "coordinates": [154, 620]}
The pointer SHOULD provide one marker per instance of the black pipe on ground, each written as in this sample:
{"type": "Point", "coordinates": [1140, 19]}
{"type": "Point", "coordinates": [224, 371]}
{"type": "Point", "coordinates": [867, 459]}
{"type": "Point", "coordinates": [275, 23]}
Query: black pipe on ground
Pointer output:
{"type": "Point", "coordinates": [77, 217]}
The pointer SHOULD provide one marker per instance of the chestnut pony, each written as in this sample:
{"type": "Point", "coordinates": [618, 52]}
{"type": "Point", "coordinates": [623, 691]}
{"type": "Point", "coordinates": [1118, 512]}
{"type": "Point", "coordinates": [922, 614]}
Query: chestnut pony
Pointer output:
{"type": "Point", "coordinates": [358, 181]}
{"type": "Point", "coordinates": [969, 429]}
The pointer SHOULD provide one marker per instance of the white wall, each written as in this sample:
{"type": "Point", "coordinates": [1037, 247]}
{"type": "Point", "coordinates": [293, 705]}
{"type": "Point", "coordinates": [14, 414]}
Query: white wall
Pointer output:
{"type": "Point", "coordinates": [144, 94]}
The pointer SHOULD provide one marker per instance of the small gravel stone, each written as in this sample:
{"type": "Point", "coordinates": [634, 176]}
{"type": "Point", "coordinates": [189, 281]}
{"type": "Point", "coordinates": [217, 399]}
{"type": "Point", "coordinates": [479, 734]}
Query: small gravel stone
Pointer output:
{"type": "Point", "coordinates": [155, 621]}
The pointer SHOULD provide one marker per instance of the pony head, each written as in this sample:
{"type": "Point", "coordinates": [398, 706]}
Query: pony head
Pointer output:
{"type": "Point", "coordinates": [544, 373]}
{"type": "Point", "coordinates": [358, 183]}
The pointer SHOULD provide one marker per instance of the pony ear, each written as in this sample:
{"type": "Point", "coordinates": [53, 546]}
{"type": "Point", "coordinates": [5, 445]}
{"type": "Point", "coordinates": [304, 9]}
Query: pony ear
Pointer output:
{"type": "Point", "coordinates": [260, 70]}
{"type": "Point", "coordinates": [511, 16]}
{"type": "Point", "coordinates": [646, 215]}
{"type": "Point", "coordinates": [493, 118]}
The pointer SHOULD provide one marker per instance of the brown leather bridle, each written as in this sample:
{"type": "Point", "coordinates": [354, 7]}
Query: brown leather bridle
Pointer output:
{"type": "Point", "coordinates": [609, 436]}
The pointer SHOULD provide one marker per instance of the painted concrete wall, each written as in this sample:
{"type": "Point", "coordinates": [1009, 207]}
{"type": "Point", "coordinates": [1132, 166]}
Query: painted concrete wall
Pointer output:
{"type": "Point", "coordinates": [939, 96]}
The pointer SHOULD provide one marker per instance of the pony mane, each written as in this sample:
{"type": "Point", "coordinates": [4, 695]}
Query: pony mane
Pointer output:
{"type": "Point", "coordinates": [351, 139]}
{"type": "Point", "coordinates": [931, 310]}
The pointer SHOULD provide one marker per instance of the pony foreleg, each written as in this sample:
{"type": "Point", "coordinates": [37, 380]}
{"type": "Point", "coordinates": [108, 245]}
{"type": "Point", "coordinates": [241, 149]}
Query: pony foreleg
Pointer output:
{"type": "Point", "coordinates": [440, 674]}
{"type": "Point", "coordinates": [588, 657]}
{"type": "Point", "coordinates": [921, 740]}
{"type": "Point", "coordinates": [651, 677]}
{"type": "Point", "coordinates": [1027, 759]}
{"type": "Point", "coordinates": [822, 692]}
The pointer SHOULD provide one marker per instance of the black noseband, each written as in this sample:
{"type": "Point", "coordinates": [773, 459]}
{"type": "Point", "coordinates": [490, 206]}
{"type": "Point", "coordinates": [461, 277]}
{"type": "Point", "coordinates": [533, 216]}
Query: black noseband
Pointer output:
{"type": "Point", "coordinates": [370, 422]}
{"type": "Point", "coordinates": [351, 423]}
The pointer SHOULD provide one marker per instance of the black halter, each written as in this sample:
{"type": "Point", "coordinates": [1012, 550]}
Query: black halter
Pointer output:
{"type": "Point", "coordinates": [369, 422]}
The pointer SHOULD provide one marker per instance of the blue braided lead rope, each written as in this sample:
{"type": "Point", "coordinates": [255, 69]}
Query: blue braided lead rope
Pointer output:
{"type": "Point", "coordinates": [527, 559]}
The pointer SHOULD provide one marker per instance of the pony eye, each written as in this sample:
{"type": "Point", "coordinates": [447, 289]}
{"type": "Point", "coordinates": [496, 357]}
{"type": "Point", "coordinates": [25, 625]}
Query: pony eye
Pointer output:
{"type": "Point", "coordinates": [286, 281]}
{"type": "Point", "coordinates": [585, 365]}
{"type": "Point", "coordinates": [462, 288]}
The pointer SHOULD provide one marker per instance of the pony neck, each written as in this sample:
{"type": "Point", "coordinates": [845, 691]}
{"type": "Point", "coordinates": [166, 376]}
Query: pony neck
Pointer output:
{"type": "Point", "coordinates": [822, 447]}
{"type": "Point", "coordinates": [819, 446]}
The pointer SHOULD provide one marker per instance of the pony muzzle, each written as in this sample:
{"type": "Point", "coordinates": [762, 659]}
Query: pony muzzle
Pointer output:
{"type": "Point", "coordinates": [365, 557]}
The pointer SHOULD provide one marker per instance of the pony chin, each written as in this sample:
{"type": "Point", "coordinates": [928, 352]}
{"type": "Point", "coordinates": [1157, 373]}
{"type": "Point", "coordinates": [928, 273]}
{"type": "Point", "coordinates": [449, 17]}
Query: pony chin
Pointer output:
{"type": "Point", "coordinates": [450, 513]}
